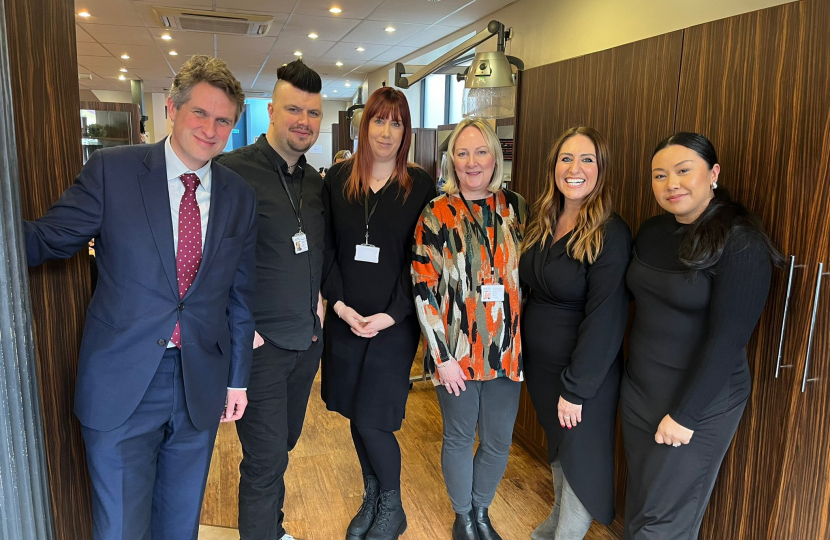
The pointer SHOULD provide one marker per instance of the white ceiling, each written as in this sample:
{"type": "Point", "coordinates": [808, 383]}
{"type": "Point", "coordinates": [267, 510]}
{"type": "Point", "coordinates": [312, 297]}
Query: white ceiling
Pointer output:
{"type": "Point", "coordinates": [116, 27]}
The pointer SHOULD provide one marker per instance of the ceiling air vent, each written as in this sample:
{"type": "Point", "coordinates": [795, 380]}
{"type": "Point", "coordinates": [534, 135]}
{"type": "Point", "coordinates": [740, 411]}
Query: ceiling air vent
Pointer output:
{"type": "Point", "coordinates": [213, 22]}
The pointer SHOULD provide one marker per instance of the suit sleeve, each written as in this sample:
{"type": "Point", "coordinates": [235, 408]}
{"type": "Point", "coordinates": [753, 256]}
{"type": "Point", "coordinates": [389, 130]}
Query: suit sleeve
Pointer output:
{"type": "Point", "coordinates": [240, 317]}
{"type": "Point", "coordinates": [72, 221]}
{"type": "Point", "coordinates": [606, 315]}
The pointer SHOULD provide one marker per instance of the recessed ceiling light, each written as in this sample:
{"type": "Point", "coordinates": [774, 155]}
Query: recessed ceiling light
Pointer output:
{"type": "Point", "coordinates": [298, 53]}
{"type": "Point", "coordinates": [123, 70]}
{"type": "Point", "coordinates": [313, 35]}
{"type": "Point", "coordinates": [325, 96]}
{"type": "Point", "coordinates": [125, 56]}
{"type": "Point", "coordinates": [335, 10]}
{"type": "Point", "coordinates": [390, 29]}
{"type": "Point", "coordinates": [348, 84]}
{"type": "Point", "coordinates": [122, 78]}
{"type": "Point", "coordinates": [173, 53]}
{"type": "Point", "coordinates": [335, 91]}
{"type": "Point", "coordinates": [338, 63]}
{"type": "Point", "coordinates": [360, 49]}
{"type": "Point", "coordinates": [166, 37]}
{"type": "Point", "coordinates": [83, 14]}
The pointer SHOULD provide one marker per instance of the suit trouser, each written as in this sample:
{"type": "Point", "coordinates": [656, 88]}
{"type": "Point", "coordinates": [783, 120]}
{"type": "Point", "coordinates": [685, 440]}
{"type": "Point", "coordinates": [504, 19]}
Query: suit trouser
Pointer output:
{"type": "Point", "coordinates": [148, 474]}
{"type": "Point", "coordinates": [278, 394]}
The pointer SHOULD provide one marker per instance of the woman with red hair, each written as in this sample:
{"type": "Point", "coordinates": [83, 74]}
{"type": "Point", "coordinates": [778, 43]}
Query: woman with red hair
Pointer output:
{"type": "Point", "coordinates": [372, 203]}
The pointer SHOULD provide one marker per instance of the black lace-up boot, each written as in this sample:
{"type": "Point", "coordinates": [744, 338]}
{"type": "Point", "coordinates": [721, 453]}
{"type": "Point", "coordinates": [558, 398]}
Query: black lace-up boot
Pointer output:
{"type": "Point", "coordinates": [360, 524]}
{"type": "Point", "coordinates": [390, 521]}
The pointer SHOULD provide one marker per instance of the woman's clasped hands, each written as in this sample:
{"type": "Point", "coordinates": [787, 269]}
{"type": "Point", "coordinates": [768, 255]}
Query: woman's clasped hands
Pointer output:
{"type": "Point", "coordinates": [366, 327]}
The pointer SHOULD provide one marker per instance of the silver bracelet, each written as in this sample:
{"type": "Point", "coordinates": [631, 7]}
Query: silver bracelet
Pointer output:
{"type": "Point", "coordinates": [338, 312]}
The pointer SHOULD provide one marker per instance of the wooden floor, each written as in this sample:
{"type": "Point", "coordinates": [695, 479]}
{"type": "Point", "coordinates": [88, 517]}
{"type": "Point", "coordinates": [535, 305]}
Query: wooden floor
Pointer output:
{"type": "Point", "coordinates": [324, 485]}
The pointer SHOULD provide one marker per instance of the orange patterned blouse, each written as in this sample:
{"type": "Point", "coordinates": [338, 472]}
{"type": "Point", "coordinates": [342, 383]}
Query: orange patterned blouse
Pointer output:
{"type": "Point", "coordinates": [451, 263]}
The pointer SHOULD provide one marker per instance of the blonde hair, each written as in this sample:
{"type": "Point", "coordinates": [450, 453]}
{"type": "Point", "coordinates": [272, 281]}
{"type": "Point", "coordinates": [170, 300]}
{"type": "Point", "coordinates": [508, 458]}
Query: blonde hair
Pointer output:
{"type": "Point", "coordinates": [201, 68]}
{"type": "Point", "coordinates": [493, 144]}
{"type": "Point", "coordinates": [343, 155]}
{"type": "Point", "coordinates": [585, 244]}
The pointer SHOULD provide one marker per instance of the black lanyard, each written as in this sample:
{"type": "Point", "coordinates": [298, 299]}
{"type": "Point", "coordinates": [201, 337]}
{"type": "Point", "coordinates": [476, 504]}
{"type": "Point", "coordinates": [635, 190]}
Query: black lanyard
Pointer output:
{"type": "Point", "coordinates": [297, 212]}
{"type": "Point", "coordinates": [490, 251]}
{"type": "Point", "coordinates": [366, 207]}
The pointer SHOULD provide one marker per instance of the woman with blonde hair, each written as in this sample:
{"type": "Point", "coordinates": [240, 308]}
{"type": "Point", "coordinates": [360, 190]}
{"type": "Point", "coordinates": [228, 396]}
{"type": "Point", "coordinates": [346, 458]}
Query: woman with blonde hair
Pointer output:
{"type": "Point", "coordinates": [372, 203]}
{"type": "Point", "coordinates": [468, 302]}
{"type": "Point", "coordinates": [574, 258]}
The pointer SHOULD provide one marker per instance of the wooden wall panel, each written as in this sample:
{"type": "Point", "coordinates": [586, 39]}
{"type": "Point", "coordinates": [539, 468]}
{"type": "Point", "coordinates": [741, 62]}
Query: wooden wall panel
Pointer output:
{"type": "Point", "coordinates": [340, 139]}
{"type": "Point", "coordinates": [756, 85]}
{"type": "Point", "coordinates": [41, 37]}
{"type": "Point", "coordinates": [627, 93]}
{"type": "Point", "coordinates": [426, 148]}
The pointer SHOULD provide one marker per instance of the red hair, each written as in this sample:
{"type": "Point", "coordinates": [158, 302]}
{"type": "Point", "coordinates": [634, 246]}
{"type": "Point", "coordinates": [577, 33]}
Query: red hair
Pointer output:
{"type": "Point", "coordinates": [386, 102]}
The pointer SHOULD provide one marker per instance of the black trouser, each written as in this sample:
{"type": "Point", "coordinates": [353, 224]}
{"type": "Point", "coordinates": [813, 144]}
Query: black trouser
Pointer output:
{"type": "Point", "coordinates": [277, 399]}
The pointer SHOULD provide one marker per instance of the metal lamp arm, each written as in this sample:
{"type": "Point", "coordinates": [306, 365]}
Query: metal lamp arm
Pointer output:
{"type": "Point", "coordinates": [494, 28]}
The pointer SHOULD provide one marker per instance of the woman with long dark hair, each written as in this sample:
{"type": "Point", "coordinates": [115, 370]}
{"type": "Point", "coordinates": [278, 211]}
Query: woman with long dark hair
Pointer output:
{"type": "Point", "coordinates": [574, 258]}
{"type": "Point", "coordinates": [700, 275]}
{"type": "Point", "coordinates": [372, 203]}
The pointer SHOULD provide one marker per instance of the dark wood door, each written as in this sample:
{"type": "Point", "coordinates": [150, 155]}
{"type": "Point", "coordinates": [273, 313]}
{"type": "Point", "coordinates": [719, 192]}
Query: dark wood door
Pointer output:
{"type": "Point", "coordinates": [756, 85]}
{"type": "Point", "coordinates": [628, 94]}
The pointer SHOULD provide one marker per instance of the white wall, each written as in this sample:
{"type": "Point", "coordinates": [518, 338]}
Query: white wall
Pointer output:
{"type": "Point", "coordinates": [330, 116]}
{"type": "Point", "coordinates": [159, 125]}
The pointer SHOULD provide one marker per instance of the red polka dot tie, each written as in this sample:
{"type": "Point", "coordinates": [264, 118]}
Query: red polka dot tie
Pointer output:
{"type": "Point", "coordinates": [189, 251]}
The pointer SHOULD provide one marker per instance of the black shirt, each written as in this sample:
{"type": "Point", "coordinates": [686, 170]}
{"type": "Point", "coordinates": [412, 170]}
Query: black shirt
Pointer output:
{"type": "Point", "coordinates": [287, 283]}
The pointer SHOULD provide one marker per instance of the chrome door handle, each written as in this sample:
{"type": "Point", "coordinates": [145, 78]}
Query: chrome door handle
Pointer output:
{"type": "Point", "coordinates": [805, 380]}
{"type": "Point", "coordinates": [778, 366]}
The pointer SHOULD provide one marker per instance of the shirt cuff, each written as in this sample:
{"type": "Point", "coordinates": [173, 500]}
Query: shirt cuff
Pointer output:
{"type": "Point", "coordinates": [243, 389]}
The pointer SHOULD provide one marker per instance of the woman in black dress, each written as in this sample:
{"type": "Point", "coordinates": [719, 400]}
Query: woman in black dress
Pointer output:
{"type": "Point", "coordinates": [574, 259]}
{"type": "Point", "coordinates": [372, 203]}
{"type": "Point", "coordinates": [700, 277]}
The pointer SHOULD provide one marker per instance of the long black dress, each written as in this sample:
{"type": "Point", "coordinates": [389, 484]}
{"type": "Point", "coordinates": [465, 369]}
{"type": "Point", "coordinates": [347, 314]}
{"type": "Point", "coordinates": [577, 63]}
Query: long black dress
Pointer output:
{"type": "Point", "coordinates": [687, 358]}
{"type": "Point", "coordinates": [367, 380]}
{"type": "Point", "coordinates": [572, 331]}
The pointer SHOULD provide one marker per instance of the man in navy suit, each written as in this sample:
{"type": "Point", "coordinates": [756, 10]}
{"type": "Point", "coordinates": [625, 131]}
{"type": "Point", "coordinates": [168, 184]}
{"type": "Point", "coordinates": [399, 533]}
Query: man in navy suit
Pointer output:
{"type": "Point", "coordinates": [166, 350]}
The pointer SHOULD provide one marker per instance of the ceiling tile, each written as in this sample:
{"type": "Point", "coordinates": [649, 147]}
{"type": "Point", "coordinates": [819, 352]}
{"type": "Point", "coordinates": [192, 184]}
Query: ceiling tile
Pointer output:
{"type": "Point", "coordinates": [134, 51]}
{"type": "Point", "coordinates": [150, 63]}
{"type": "Point", "coordinates": [416, 11]}
{"type": "Point", "coordinates": [348, 51]}
{"type": "Point", "coordinates": [309, 47]}
{"type": "Point", "coordinates": [329, 28]}
{"type": "Point", "coordinates": [202, 4]}
{"type": "Point", "coordinates": [430, 35]}
{"type": "Point", "coordinates": [269, 7]}
{"type": "Point", "coordinates": [474, 12]}
{"type": "Point", "coordinates": [187, 43]}
{"type": "Point", "coordinates": [234, 59]}
{"type": "Point", "coordinates": [119, 12]}
{"type": "Point", "coordinates": [106, 62]}
{"type": "Point", "coordinates": [81, 36]}
{"type": "Point", "coordinates": [244, 44]}
{"type": "Point", "coordinates": [372, 32]}
{"type": "Point", "coordinates": [352, 9]}
{"type": "Point", "coordinates": [91, 49]}
{"type": "Point", "coordinates": [394, 54]}
{"type": "Point", "coordinates": [122, 35]}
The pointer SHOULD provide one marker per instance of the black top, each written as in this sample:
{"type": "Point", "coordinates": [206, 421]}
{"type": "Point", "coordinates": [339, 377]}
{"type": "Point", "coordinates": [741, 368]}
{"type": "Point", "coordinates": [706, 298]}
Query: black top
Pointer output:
{"type": "Point", "coordinates": [287, 283]}
{"type": "Point", "coordinates": [737, 289]}
{"type": "Point", "coordinates": [592, 297]}
{"type": "Point", "coordinates": [369, 288]}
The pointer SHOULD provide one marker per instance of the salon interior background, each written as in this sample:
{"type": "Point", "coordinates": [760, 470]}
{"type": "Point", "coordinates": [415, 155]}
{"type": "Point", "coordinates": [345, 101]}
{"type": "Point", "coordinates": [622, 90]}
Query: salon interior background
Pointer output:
{"type": "Point", "coordinates": [755, 83]}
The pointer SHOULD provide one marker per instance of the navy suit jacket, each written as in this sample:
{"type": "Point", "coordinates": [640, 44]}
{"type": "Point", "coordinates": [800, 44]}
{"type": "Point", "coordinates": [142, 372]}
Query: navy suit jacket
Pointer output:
{"type": "Point", "coordinates": [120, 198]}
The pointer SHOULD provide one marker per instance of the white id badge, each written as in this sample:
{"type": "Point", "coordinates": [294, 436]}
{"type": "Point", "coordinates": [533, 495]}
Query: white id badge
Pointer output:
{"type": "Point", "coordinates": [492, 293]}
{"type": "Point", "coordinates": [367, 253]}
{"type": "Point", "coordinates": [300, 242]}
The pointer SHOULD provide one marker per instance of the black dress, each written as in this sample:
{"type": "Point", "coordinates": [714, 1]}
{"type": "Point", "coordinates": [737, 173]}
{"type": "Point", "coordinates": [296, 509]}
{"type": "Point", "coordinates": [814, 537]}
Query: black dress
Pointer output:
{"type": "Point", "coordinates": [572, 331]}
{"type": "Point", "coordinates": [367, 380]}
{"type": "Point", "coordinates": [687, 358]}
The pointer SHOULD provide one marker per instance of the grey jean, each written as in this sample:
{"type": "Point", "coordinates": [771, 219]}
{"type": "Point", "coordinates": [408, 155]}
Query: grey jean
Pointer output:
{"type": "Point", "coordinates": [568, 520]}
{"type": "Point", "coordinates": [492, 406]}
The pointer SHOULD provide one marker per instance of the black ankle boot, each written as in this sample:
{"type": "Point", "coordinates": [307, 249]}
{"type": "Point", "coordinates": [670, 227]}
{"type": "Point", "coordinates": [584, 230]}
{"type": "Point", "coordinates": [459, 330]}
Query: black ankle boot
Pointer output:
{"type": "Point", "coordinates": [485, 529]}
{"type": "Point", "coordinates": [390, 520]}
{"type": "Point", "coordinates": [464, 527]}
{"type": "Point", "coordinates": [360, 524]}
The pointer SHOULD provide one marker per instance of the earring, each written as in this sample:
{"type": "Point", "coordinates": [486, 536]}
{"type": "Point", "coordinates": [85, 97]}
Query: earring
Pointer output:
{"type": "Point", "coordinates": [715, 184]}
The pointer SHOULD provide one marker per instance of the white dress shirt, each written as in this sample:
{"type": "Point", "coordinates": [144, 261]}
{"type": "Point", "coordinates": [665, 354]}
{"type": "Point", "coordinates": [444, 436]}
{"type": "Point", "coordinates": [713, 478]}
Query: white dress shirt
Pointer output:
{"type": "Point", "coordinates": [175, 189]}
